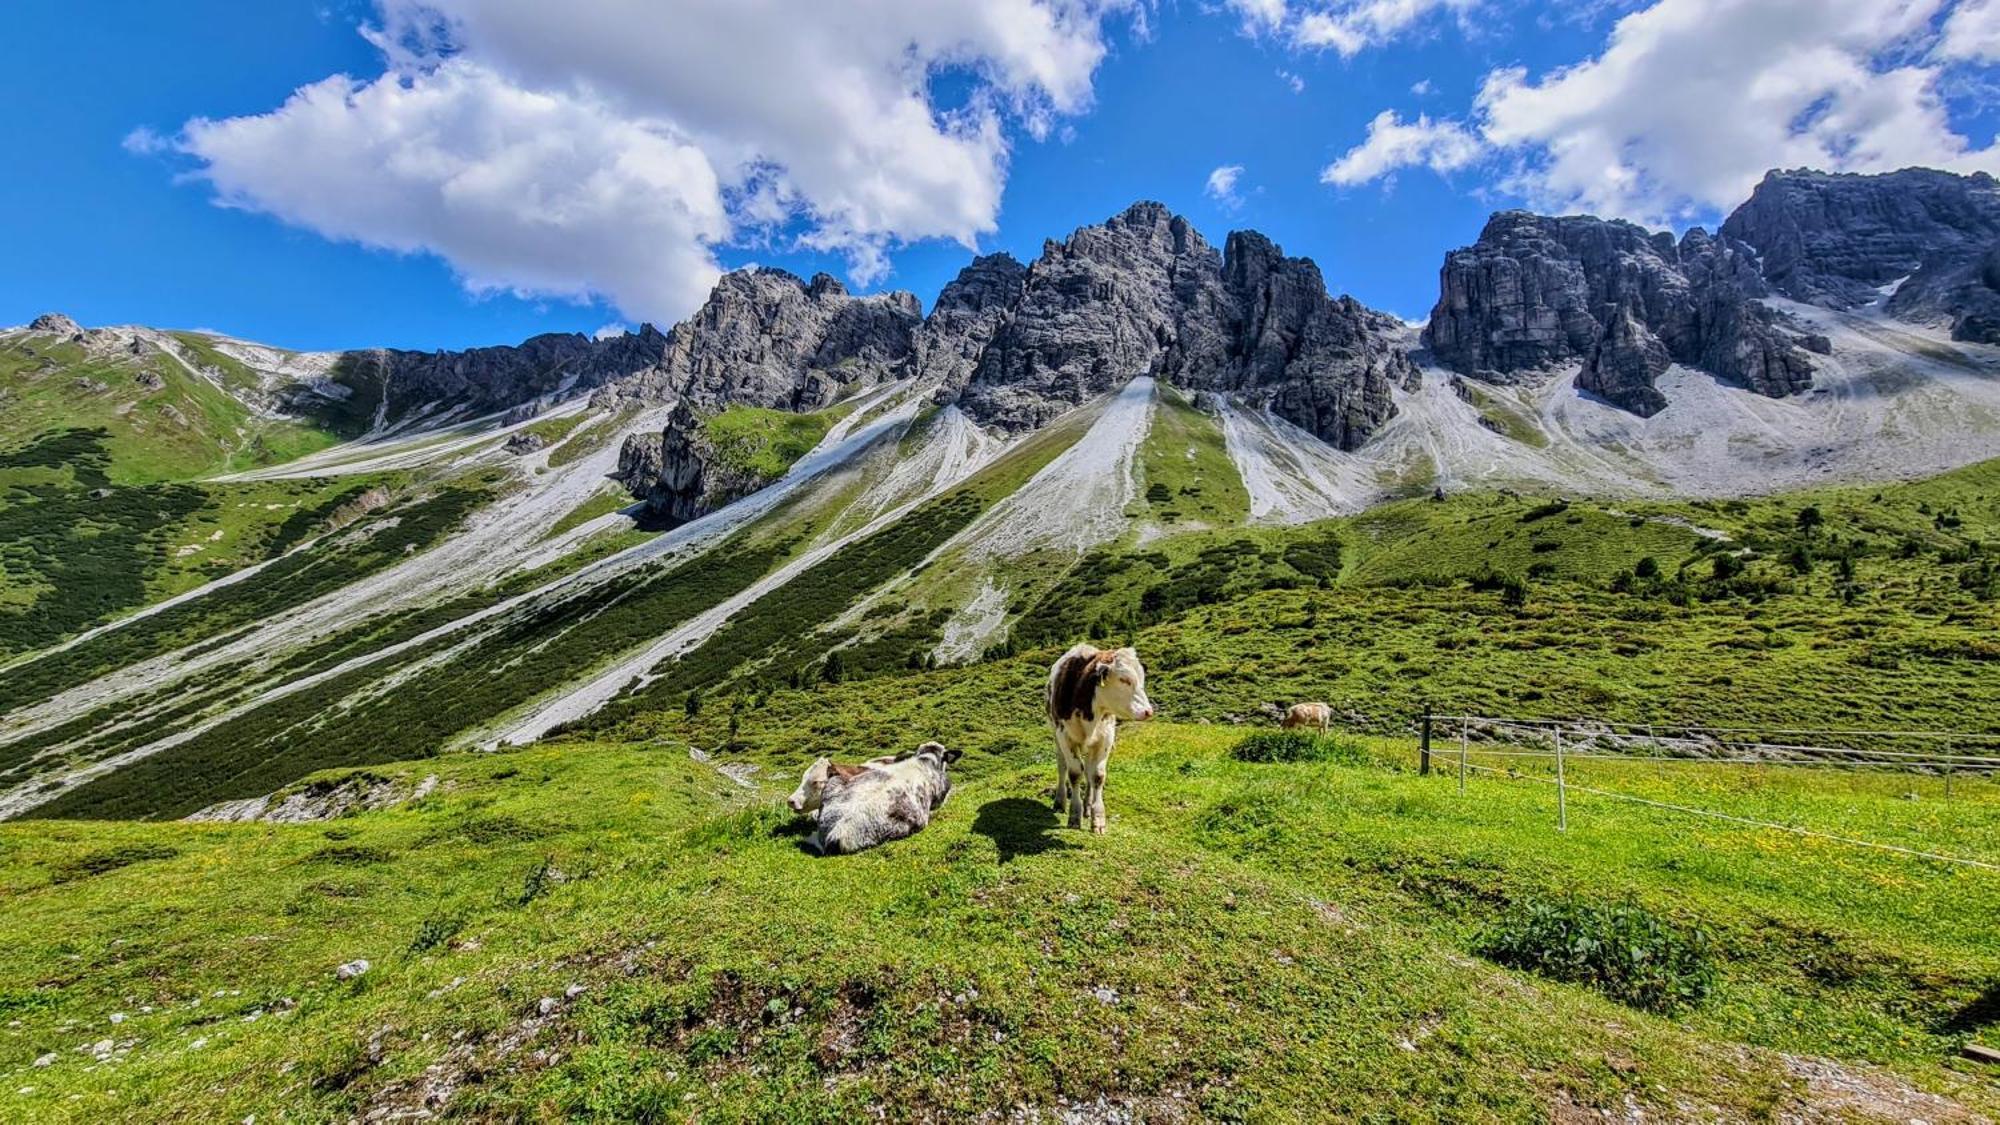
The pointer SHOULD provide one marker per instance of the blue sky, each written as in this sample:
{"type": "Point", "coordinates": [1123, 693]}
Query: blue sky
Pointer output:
{"type": "Point", "coordinates": [485, 176]}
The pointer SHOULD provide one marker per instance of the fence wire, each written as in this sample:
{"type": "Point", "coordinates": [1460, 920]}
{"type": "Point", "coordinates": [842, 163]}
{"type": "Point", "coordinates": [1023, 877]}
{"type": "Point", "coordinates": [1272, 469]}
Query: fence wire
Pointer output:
{"type": "Point", "coordinates": [1689, 745]}
{"type": "Point", "coordinates": [1794, 829]}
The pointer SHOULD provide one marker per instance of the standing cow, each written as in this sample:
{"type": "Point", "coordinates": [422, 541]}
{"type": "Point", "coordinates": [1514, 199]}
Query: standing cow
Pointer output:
{"type": "Point", "coordinates": [1089, 691]}
{"type": "Point", "coordinates": [1308, 715]}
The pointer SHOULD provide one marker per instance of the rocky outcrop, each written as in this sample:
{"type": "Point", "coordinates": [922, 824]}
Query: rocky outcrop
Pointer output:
{"type": "Point", "coordinates": [969, 312]}
{"type": "Point", "coordinates": [1145, 294]}
{"type": "Point", "coordinates": [1838, 239]}
{"type": "Point", "coordinates": [1621, 302]}
{"type": "Point", "coordinates": [766, 338]}
{"type": "Point", "coordinates": [678, 472]}
{"type": "Point", "coordinates": [385, 385]}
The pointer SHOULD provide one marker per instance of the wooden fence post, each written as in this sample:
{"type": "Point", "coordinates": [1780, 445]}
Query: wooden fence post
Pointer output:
{"type": "Point", "coordinates": [1464, 734]}
{"type": "Point", "coordinates": [1562, 787]}
{"type": "Point", "coordinates": [1424, 750]}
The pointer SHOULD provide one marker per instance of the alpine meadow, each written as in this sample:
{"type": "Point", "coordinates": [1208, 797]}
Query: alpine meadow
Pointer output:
{"type": "Point", "coordinates": [1134, 684]}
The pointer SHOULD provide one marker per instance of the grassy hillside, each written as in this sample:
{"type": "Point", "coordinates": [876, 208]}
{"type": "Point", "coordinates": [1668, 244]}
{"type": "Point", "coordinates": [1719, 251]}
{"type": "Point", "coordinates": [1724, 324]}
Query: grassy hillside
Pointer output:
{"type": "Point", "coordinates": [607, 926]}
{"type": "Point", "coordinates": [160, 420]}
{"type": "Point", "coordinates": [77, 550]}
{"type": "Point", "coordinates": [763, 443]}
{"type": "Point", "coordinates": [612, 930]}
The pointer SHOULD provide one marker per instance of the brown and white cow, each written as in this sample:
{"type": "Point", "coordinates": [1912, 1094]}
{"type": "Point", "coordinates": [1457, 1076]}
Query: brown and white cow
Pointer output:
{"type": "Point", "coordinates": [1308, 715]}
{"type": "Point", "coordinates": [1090, 690]}
{"type": "Point", "coordinates": [878, 803]}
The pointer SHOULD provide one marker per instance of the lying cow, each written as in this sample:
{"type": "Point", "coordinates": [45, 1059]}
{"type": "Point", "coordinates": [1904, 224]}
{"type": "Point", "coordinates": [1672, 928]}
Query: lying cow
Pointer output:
{"type": "Point", "coordinates": [1308, 715]}
{"type": "Point", "coordinates": [808, 797]}
{"type": "Point", "coordinates": [1089, 691]}
{"type": "Point", "coordinates": [884, 800]}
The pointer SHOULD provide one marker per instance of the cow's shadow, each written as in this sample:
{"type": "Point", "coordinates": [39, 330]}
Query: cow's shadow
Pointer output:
{"type": "Point", "coordinates": [1019, 826]}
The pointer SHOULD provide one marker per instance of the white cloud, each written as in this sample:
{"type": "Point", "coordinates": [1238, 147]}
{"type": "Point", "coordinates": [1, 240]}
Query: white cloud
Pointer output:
{"type": "Point", "coordinates": [1973, 32]}
{"type": "Point", "coordinates": [1351, 27]}
{"type": "Point", "coordinates": [1259, 16]}
{"type": "Point", "coordinates": [1221, 186]}
{"type": "Point", "coordinates": [1441, 146]}
{"type": "Point", "coordinates": [604, 147]}
{"type": "Point", "coordinates": [1691, 101]}
{"type": "Point", "coordinates": [1344, 26]}
{"type": "Point", "coordinates": [143, 141]}
{"type": "Point", "coordinates": [532, 193]}
{"type": "Point", "coordinates": [611, 331]}
{"type": "Point", "coordinates": [1422, 88]}
{"type": "Point", "coordinates": [1297, 83]}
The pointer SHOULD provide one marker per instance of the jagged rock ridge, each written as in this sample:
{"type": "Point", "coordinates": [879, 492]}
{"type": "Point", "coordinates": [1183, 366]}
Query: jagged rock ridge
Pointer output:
{"type": "Point", "coordinates": [1015, 345]}
{"type": "Point", "coordinates": [1145, 294]}
{"type": "Point", "coordinates": [1536, 291]}
{"type": "Point", "coordinates": [1840, 240]}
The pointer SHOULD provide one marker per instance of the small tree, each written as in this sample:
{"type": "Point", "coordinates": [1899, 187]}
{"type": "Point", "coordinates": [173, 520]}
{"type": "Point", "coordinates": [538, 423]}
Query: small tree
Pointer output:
{"type": "Point", "coordinates": [833, 670]}
{"type": "Point", "coordinates": [1810, 519]}
{"type": "Point", "coordinates": [1648, 567]}
{"type": "Point", "coordinates": [694, 704]}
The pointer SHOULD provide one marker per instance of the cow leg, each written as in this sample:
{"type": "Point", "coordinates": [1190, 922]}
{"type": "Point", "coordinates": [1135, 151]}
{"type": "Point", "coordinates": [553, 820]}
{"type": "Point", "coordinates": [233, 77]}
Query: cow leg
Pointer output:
{"type": "Point", "coordinates": [1072, 780]}
{"type": "Point", "coordinates": [1097, 798]}
{"type": "Point", "coordinates": [1062, 772]}
{"type": "Point", "coordinates": [1099, 759]}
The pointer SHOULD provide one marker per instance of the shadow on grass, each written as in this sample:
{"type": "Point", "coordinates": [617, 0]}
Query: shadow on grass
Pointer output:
{"type": "Point", "coordinates": [1019, 826]}
{"type": "Point", "coordinates": [1982, 1013]}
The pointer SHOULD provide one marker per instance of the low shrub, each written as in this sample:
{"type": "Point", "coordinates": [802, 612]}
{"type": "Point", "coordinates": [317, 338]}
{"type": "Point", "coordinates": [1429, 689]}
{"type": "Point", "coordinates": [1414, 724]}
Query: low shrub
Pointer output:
{"type": "Point", "coordinates": [1296, 746]}
{"type": "Point", "coordinates": [435, 931]}
{"type": "Point", "coordinates": [1621, 949]}
{"type": "Point", "coordinates": [111, 859]}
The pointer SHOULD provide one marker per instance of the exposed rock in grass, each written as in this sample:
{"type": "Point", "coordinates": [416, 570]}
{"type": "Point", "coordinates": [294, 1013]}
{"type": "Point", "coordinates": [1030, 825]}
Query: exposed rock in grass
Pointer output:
{"type": "Point", "coordinates": [323, 799]}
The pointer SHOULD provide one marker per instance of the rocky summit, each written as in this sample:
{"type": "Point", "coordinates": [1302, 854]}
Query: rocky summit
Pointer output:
{"type": "Point", "coordinates": [1015, 346]}
{"type": "Point", "coordinates": [1624, 303]}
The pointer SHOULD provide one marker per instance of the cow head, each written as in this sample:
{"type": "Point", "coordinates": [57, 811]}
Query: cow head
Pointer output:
{"type": "Point", "coordinates": [1121, 688]}
{"type": "Point", "coordinates": [812, 787]}
{"type": "Point", "coordinates": [935, 760]}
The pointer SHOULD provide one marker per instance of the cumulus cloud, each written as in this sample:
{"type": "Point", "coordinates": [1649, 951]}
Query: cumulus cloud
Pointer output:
{"type": "Point", "coordinates": [1691, 101]}
{"type": "Point", "coordinates": [1973, 32]}
{"type": "Point", "coordinates": [606, 147]}
{"type": "Point", "coordinates": [1221, 186]}
{"type": "Point", "coordinates": [1441, 146]}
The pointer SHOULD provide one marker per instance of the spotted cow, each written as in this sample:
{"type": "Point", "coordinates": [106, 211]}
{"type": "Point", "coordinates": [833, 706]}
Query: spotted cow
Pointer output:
{"type": "Point", "coordinates": [1090, 690]}
{"type": "Point", "coordinates": [886, 799]}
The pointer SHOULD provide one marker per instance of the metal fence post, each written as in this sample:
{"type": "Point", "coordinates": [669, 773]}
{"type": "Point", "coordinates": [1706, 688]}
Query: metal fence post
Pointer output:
{"type": "Point", "coordinates": [1424, 750]}
{"type": "Point", "coordinates": [1464, 729]}
{"type": "Point", "coordinates": [1562, 787]}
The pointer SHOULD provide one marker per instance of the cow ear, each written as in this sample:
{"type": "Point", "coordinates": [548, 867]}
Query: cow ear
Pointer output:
{"type": "Point", "coordinates": [951, 756]}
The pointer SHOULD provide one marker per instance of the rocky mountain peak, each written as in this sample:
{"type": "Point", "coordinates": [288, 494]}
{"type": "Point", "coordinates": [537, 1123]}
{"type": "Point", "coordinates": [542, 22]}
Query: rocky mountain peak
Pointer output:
{"type": "Point", "coordinates": [56, 324]}
{"type": "Point", "coordinates": [1622, 302]}
{"type": "Point", "coordinates": [1919, 235]}
{"type": "Point", "coordinates": [1145, 294]}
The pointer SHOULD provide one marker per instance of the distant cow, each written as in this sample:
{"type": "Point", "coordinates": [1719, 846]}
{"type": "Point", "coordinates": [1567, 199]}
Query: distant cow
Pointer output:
{"type": "Point", "coordinates": [1308, 715]}
{"type": "Point", "coordinates": [807, 797]}
{"type": "Point", "coordinates": [887, 799]}
{"type": "Point", "coordinates": [1089, 691]}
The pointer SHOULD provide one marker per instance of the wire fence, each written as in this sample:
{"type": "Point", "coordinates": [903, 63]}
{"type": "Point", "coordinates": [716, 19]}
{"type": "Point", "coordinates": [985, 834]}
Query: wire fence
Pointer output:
{"type": "Point", "coordinates": [1450, 741]}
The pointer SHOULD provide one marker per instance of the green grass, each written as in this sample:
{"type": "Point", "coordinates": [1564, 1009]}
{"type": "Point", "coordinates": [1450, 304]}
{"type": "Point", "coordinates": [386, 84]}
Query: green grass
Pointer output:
{"type": "Point", "coordinates": [763, 443]}
{"type": "Point", "coordinates": [606, 500]}
{"type": "Point", "coordinates": [161, 422]}
{"type": "Point", "coordinates": [1185, 474]}
{"type": "Point", "coordinates": [1277, 941]}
